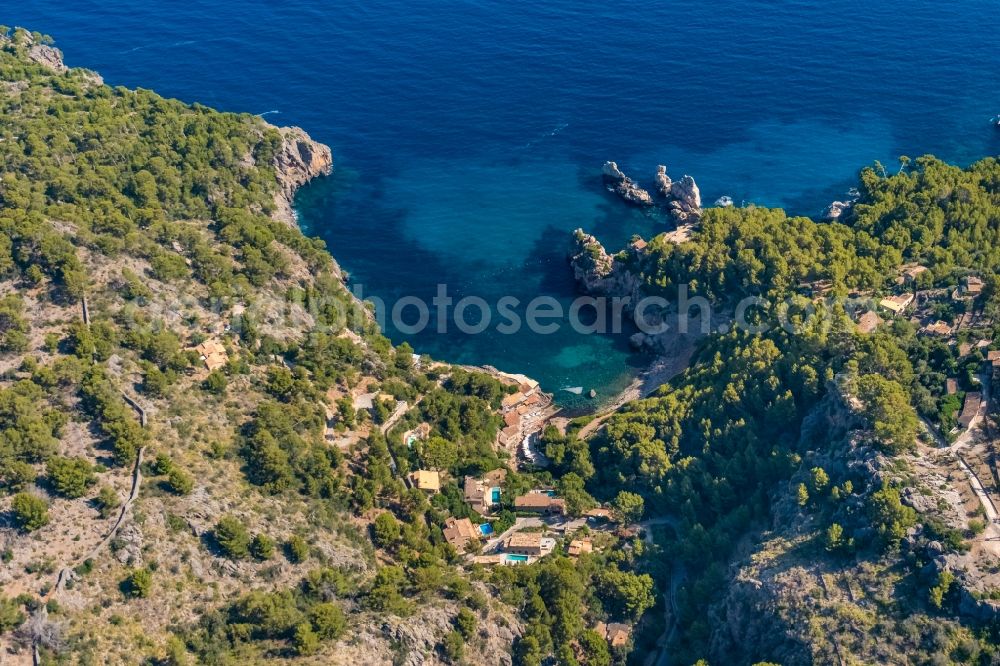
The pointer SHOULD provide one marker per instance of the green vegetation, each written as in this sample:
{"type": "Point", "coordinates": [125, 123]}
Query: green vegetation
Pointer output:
{"type": "Point", "coordinates": [232, 537]}
{"type": "Point", "coordinates": [31, 512]}
{"type": "Point", "coordinates": [71, 477]}
{"type": "Point", "coordinates": [138, 584]}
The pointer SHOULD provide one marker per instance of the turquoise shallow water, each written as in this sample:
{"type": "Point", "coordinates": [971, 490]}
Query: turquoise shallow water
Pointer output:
{"type": "Point", "coordinates": [469, 134]}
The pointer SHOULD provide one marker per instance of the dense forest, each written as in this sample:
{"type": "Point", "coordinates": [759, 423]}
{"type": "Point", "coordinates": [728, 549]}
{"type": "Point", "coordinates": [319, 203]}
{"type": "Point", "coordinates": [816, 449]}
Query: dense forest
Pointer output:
{"type": "Point", "coordinates": [727, 440]}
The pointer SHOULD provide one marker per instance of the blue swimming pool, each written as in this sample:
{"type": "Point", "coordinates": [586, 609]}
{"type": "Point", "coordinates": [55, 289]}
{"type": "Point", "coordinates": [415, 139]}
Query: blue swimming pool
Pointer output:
{"type": "Point", "coordinates": [486, 529]}
{"type": "Point", "coordinates": [495, 495]}
{"type": "Point", "coordinates": [517, 558]}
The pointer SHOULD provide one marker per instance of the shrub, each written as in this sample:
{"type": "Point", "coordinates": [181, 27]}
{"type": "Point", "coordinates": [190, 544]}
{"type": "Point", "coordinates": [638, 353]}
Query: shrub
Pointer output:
{"type": "Point", "coordinates": [70, 476]}
{"type": "Point", "coordinates": [262, 547]}
{"type": "Point", "coordinates": [305, 640]}
{"type": "Point", "coordinates": [138, 584]}
{"type": "Point", "coordinates": [232, 537]}
{"type": "Point", "coordinates": [107, 501]}
{"type": "Point", "coordinates": [328, 620]}
{"type": "Point", "coordinates": [465, 622]}
{"type": "Point", "coordinates": [297, 550]}
{"type": "Point", "coordinates": [180, 481]}
{"type": "Point", "coordinates": [30, 511]}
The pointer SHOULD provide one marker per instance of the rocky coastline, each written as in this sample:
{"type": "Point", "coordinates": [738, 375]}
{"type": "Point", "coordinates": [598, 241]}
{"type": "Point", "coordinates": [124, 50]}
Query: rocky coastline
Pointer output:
{"type": "Point", "coordinates": [299, 160]}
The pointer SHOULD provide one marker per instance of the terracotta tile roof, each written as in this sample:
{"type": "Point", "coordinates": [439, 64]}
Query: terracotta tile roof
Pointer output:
{"type": "Point", "coordinates": [580, 546]}
{"type": "Point", "coordinates": [525, 540]}
{"type": "Point", "coordinates": [459, 532]}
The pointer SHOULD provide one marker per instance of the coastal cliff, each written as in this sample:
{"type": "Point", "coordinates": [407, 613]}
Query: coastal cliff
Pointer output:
{"type": "Point", "coordinates": [596, 272]}
{"type": "Point", "coordinates": [298, 160]}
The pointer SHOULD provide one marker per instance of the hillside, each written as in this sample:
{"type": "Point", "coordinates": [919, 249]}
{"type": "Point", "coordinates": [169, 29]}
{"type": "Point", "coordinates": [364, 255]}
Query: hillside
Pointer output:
{"type": "Point", "coordinates": [209, 451]}
{"type": "Point", "coordinates": [210, 454]}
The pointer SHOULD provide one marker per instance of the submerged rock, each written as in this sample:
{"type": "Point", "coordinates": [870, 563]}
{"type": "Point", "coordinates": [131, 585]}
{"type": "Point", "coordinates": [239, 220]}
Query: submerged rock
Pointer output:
{"type": "Point", "coordinates": [624, 186]}
{"type": "Point", "coordinates": [837, 209]}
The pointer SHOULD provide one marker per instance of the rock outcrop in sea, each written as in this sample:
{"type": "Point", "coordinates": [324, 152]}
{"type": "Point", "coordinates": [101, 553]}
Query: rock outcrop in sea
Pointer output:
{"type": "Point", "coordinates": [837, 209]}
{"type": "Point", "coordinates": [681, 199]}
{"type": "Point", "coordinates": [683, 196]}
{"type": "Point", "coordinates": [598, 273]}
{"type": "Point", "coordinates": [624, 186]}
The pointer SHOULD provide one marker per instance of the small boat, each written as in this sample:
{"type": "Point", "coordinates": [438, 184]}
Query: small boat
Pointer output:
{"type": "Point", "coordinates": [575, 390]}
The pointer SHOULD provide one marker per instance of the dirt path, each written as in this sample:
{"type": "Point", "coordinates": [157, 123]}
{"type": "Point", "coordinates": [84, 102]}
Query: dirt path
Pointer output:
{"type": "Point", "coordinates": [133, 494]}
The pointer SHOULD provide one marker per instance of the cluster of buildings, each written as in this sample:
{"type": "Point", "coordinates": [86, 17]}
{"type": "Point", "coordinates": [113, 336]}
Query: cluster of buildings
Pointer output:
{"type": "Point", "coordinates": [523, 412]}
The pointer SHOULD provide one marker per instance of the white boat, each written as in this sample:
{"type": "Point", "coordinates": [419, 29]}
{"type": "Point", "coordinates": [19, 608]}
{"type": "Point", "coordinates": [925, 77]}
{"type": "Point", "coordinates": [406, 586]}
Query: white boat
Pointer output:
{"type": "Point", "coordinates": [575, 390]}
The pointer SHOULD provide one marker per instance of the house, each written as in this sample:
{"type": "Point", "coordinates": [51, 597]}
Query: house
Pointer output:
{"type": "Point", "coordinates": [421, 432]}
{"type": "Point", "coordinates": [615, 633]}
{"type": "Point", "coordinates": [973, 286]}
{"type": "Point", "coordinates": [993, 357]}
{"type": "Point", "coordinates": [938, 328]}
{"type": "Point", "coordinates": [578, 547]}
{"type": "Point", "coordinates": [868, 322]}
{"type": "Point", "coordinates": [964, 349]}
{"type": "Point", "coordinates": [512, 401]}
{"type": "Point", "coordinates": [540, 501]}
{"type": "Point", "coordinates": [897, 304]}
{"type": "Point", "coordinates": [510, 435]}
{"type": "Point", "coordinates": [911, 272]}
{"type": "Point", "coordinates": [213, 354]}
{"type": "Point", "coordinates": [600, 513]}
{"type": "Point", "coordinates": [524, 543]}
{"type": "Point", "coordinates": [427, 480]}
{"type": "Point", "coordinates": [483, 494]}
{"type": "Point", "coordinates": [970, 409]}
{"type": "Point", "coordinates": [459, 532]}
{"type": "Point", "coordinates": [951, 386]}
{"type": "Point", "coordinates": [638, 245]}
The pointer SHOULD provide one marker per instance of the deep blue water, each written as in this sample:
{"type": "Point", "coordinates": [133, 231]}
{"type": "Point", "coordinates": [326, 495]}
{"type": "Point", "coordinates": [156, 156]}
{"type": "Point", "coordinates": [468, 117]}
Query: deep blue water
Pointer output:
{"type": "Point", "coordinates": [468, 136]}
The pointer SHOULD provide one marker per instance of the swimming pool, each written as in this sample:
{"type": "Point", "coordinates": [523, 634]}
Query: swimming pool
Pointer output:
{"type": "Point", "coordinates": [486, 529]}
{"type": "Point", "coordinates": [517, 558]}
{"type": "Point", "coordinates": [495, 495]}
